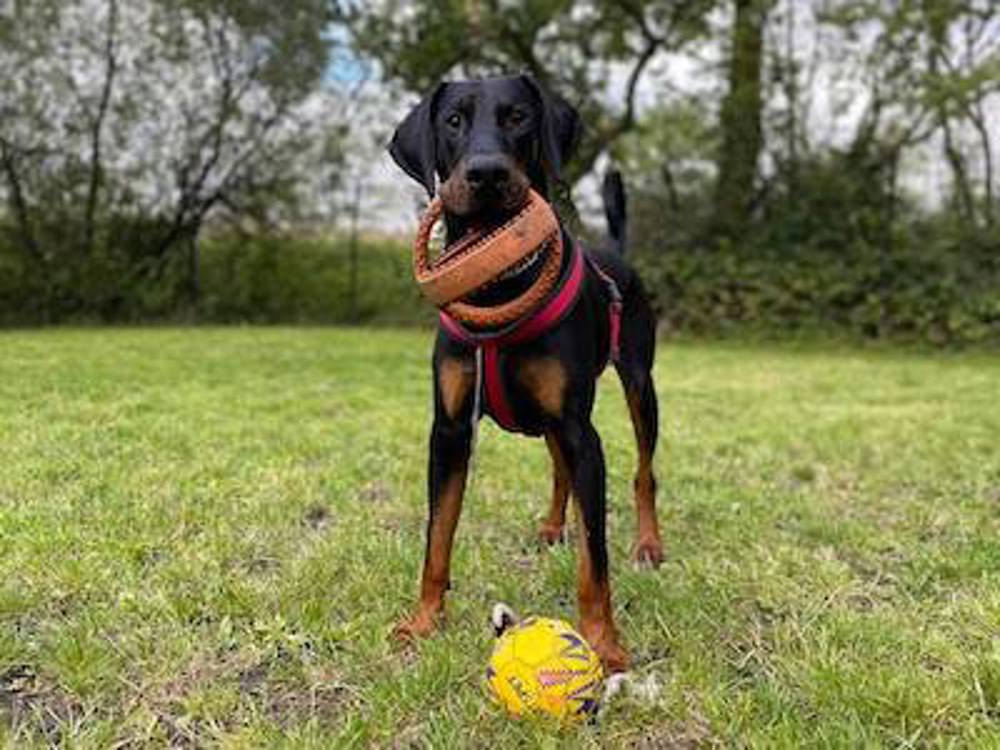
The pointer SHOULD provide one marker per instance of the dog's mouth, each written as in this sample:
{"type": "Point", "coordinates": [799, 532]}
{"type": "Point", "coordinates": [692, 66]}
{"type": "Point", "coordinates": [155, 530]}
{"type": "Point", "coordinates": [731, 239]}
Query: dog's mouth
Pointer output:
{"type": "Point", "coordinates": [513, 282]}
{"type": "Point", "coordinates": [508, 285]}
{"type": "Point", "coordinates": [492, 270]}
{"type": "Point", "coordinates": [528, 262]}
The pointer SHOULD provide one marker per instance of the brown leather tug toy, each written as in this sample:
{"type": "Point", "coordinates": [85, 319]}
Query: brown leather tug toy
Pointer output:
{"type": "Point", "coordinates": [476, 260]}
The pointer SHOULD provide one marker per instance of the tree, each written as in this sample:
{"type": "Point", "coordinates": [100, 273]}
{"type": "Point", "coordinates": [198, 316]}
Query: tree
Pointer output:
{"type": "Point", "coordinates": [669, 160]}
{"type": "Point", "coordinates": [125, 125]}
{"type": "Point", "coordinates": [963, 71]}
{"type": "Point", "coordinates": [930, 70]}
{"type": "Point", "coordinates": [576, 48]}
{"type": "Point", "coordinates": [740, 117]}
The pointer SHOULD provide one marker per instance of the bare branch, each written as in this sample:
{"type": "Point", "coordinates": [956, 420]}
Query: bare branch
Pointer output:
{"type": "Point", "coordinates": [97, 127]}
{"type": "Point", "coordinates": [8, 159]}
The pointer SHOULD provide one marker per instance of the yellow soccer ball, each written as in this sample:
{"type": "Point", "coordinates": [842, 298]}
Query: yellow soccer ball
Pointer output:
{"type": "Point", "coordinates": [543, 666]}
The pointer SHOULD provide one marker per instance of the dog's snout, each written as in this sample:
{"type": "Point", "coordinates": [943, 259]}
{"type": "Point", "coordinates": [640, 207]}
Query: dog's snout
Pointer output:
{"type": "Point", "coordinates": [487, 171]}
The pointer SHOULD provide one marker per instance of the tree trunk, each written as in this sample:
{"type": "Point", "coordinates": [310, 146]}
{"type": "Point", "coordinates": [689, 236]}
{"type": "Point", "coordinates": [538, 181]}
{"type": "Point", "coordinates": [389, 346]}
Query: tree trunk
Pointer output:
{"type": "Point", "coordinates": [964, 202]}
{"type": "Point", "coordinates": [353, 284]}
{"type": "Point", "coordinates": [978, 118]}
{"type": "Point", "coordinates": [19, 207]}
{"type": "Point", "coordinates": [673, 197]}
{"type": "Point", "coordinates": [740, 118]}
{"type": "Point", "coordinates": [939, 66]}
{"type": "Point", "coordinates": [97, 129]}
{"type": "Point", "coordinates": [194, 269]}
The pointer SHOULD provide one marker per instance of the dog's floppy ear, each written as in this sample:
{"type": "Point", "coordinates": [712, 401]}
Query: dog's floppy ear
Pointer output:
{"type": "Point", "coordinates": [561, 128]}
{"type": "Point", "coordinates": [412, 146]}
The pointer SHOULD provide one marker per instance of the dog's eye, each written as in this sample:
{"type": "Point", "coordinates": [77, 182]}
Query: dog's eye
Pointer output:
{"type": "Point", "coordinates": [454, 120]}
{"type": "Point", "coordinates": [516, 117]}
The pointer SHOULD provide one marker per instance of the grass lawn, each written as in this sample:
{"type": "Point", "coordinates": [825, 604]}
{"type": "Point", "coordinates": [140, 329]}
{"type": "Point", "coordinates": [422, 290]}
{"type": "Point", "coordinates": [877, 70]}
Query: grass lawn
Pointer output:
{"type": "Point", "coordinates": [205, 536]}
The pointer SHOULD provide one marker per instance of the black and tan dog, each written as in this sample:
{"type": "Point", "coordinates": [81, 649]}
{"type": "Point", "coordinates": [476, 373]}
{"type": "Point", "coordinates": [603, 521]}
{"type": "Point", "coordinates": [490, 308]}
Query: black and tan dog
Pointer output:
{"type": "Point", "coordinates": [489, 141]}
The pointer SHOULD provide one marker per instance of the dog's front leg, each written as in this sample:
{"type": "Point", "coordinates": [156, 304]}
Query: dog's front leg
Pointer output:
{"type": "Point", "coordinates": [580, 446]}
{"type": "Point", "coordinates": [450, 444]}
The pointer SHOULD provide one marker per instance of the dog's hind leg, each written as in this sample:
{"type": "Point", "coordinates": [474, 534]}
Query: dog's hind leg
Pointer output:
{"type": "Point", "coordinates": [635, 368]}
{"type": "Point", "coordinates": [641, 397]}
{"type": "Point", "coordinates": [553, 527]}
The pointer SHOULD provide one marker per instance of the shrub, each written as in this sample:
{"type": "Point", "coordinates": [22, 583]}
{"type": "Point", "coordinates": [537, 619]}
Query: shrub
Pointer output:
{"type": "Point", "coordinates": [938, 285]}
{"type": "Point", "coordinates": [270, 279]}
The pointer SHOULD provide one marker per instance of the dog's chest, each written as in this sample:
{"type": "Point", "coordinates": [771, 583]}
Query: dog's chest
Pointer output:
{"type": "Point", "coordinates": [521, 393]}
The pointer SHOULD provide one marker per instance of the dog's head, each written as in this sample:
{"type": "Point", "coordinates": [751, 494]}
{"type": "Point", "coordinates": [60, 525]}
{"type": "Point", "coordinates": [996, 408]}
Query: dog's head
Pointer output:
{"type": "Point", "coordinates": [487, 141]}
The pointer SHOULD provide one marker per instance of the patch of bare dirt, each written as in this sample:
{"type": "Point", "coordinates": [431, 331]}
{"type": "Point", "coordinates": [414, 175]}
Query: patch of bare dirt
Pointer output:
{"type": "Point", "coordinates": [376, 491]}
{"type": "Point", "coordinates": [317, 517]}
{"type": "Point", "coordinates": [280, 687]}
{"type": "Point", "coordinates": [29, 700]}
{"type": "Point", "coordinates": [320, 696]}
{"type": "Point", "coordinates": [690, 734]}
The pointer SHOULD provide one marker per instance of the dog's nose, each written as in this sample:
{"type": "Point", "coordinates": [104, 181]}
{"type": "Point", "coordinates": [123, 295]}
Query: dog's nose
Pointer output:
{"type": "Point", "coordinates": [486, 171]}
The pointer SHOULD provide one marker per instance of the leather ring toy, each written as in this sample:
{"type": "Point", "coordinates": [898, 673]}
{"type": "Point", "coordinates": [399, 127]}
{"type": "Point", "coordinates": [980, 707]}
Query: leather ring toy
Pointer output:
{"type": "Point", "coordinates": [474, 261]}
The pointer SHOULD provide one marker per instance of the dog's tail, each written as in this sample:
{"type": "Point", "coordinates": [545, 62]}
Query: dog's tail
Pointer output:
{"type": "Point", "coordinates": [613, 193]}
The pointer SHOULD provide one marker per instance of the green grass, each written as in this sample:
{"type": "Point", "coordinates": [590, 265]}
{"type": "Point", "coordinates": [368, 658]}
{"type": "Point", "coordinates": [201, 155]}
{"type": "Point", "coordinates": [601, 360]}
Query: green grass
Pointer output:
{"type": "Point", "coordinates": [206, 535]}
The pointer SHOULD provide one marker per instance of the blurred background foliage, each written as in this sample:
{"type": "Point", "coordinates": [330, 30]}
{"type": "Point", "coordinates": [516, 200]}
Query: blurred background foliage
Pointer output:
{"type": "Point", "coordinates": [817, 166]}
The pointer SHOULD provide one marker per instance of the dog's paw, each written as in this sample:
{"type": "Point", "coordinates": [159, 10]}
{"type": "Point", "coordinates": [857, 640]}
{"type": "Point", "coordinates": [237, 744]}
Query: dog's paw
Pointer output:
{"type": "Point", "coordinates": [602, 638]}
{"type": "Point", "coordinates": [614, 658]}
{"type": "Point", "coordinates": [420, 625]}
{"type": "Point", "coordinates": [551, 534]}
{"type": "Point", "coordinates": [648, 554]}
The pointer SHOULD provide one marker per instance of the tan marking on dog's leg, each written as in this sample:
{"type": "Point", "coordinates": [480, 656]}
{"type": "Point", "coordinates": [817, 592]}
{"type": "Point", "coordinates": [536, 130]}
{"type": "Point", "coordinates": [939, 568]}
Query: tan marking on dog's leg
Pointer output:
{"type": "Point", "coordinates": [594, 603]}
{"type": "Point", "coordinates": [552, 528]}
{"type": "Point", "coordinates": [456, 378]}
{"type": "Point", "coordinates": [545, 380]}
{"type": "Point", "coordinates": [437, 562]}
{"type": "Point", "coordinates": [648, 546]}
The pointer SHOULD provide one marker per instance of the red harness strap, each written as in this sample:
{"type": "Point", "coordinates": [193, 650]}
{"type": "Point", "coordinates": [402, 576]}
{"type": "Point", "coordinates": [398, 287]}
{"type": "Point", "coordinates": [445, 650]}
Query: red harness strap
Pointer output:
{"type": "Point", "coordinates": [547, 317]}
{"type": "Point", "coordinates": [614, 311]}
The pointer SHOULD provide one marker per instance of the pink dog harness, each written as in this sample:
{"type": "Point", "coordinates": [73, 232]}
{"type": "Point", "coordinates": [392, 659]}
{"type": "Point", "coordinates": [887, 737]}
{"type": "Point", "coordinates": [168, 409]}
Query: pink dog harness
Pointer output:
{"type": "Point", "coordinates": [550, 314]}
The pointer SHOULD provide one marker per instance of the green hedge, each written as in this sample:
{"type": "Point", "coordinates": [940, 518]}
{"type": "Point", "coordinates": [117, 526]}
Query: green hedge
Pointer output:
{"type": "Point", "coordinates": [260, 279]}
{"type": "Point", "coordinates": [938, 286]}
{"type": "Point", "coordinates": [278, 279]}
